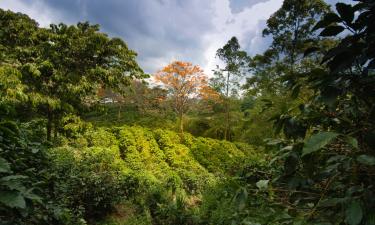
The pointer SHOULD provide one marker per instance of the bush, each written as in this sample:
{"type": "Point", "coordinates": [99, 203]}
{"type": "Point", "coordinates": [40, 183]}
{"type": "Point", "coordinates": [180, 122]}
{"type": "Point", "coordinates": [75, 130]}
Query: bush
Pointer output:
{"type": "Point", "coordinates": [88, 180]}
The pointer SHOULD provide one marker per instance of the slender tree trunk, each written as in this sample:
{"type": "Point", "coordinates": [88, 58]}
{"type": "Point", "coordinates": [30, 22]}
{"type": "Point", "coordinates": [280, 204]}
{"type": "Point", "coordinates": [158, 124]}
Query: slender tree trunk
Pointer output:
{"type": "Point", "coordinates": [227, 118]}
{"type": "Point", "coordinates": [49, 124]}
{"type": "Point", "coordinates": [55, 128]}
{"type": "Point", "coordinates": [181, 123]}
{"type": "Point", "coordinates": [227, 130]}
{"type": "Point", "coordinates": [119, 112]}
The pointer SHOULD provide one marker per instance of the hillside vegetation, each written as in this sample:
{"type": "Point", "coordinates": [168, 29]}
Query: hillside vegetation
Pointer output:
{"type": "Point", "coordinates": [285, 137]}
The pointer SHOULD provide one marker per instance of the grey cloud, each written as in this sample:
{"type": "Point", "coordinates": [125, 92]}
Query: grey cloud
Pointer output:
{"type": "Point", "coordinates": [255, 43]}
{"type": "Point", "coordinates": [158, 30]}
{"type": "Point", "coordinates": [238, 6]}
{"type": "Point", "coordinates": [154, 29]}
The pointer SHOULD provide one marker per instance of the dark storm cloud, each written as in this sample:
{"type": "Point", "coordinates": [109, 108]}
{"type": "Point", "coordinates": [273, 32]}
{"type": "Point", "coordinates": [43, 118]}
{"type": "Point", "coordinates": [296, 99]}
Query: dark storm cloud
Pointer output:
{"type": "Point", "coordinates": [157, 30]}
{"type": "Point", "coordinates": [164, 30]}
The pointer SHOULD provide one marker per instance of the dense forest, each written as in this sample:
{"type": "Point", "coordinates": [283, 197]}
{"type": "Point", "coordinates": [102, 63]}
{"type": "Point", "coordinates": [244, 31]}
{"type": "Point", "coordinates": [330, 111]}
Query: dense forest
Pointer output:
{"type": "Point", "coordinates": [282, 137]}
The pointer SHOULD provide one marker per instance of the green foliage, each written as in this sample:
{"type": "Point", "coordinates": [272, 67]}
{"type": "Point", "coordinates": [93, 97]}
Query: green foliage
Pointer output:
{"type": "Point", "coordinates": [127, 165]}
{"type": "Point", "coordinates": [49, 68]}
{"type": "Point", "coordinates": [107, 116]}
{"type": "Point", "coordinates": [318, 141]}
{"type": "Point", "coordinates": [331, 186]}
{"type": "Point", "coordinates": [89, 180]}
{"type": "Point", "coordinates": [226, 81]}
{"type": "Point", "coordinates": [24, 178]}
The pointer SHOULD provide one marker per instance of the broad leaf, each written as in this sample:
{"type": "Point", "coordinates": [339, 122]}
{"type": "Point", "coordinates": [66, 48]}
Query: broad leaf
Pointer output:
{"type": "Point", "coordinates": [327, 20]}
{"type": "Point", "coordinates": [346, 12]}
{"type": "Point", "coordinates": [4, 166]}
{"type": "Point", "coordinates": [318, 141]}
{"type": "Point", "coordinates": [241, 198]}
{"type": "Point", "coordinates": [352, 141]}
{"type": "Point", "coordinates": [13, 177]}
{"type": "Point", "coordinates": [332, 30]}
{"type": "Point", "coordinates": [354, 213]}
{"type": "Point", "coordinates": [12, 199]}
{"type": "Point", "coordinates": [366, 160]}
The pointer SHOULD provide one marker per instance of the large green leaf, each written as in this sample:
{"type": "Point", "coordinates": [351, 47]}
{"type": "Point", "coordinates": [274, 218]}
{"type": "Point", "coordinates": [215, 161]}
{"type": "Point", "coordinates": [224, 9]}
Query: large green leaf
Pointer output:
{"type": "Point", "coordinates": [332, 30]}
{"type": "Point", "coordinates": [352, 141]}
{"type": "Point", "coordinates": [241, 198]}
{"type": "Point", "coordinates": [328, 19]}
{"type": "Point", "coordinates": [346, 12]}
{"type": "Point", "coordinates": [354, 213]}
{"type": "Point", "coordinates": [318, 141]}
{"type": "Point", "coordinates": [12, 199]}
{"type": "Point", "coordinates": [4, 166]}
{"type": "Point", "coordinates": [366, 160]}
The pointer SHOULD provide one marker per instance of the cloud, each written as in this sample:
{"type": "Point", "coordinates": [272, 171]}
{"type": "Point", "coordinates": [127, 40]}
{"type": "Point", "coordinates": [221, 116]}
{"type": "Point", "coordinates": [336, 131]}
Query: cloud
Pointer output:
{"type": "Point", "coordinates": [246, 25]}
{"type": "Point", "coordinates": [163, 30]}
{"type": "Point", "coordinates": [237, 6]}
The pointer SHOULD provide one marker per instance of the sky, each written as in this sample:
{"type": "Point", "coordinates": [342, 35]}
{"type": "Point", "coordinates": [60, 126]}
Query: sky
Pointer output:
{"type": "Point", "coordinates": [162, 31]}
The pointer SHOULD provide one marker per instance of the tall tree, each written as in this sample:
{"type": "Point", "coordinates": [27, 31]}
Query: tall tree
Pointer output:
{"type": "Point", "coordinates": [291, 30]}
{"type": "Point", "coordinates": [63, 66]}
{"type": "Point", "coordinates": [291, 25]}
{"type": "Point", "coordinates": [184, 81]}
{"type": "Point", "coordinates": [278, 79]}
{"type": "Point", "coordinates": [16, 38]}
{"type": "Point", "coordinates": [227, 80]}
{"type": "Point", "coordinates": [72, 63]}
{"type": "Point", "coordinates": [334, 161]}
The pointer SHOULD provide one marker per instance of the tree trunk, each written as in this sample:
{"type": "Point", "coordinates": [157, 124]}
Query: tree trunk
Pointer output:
{"type": "Point", "coordinates": [227, 121]}
{"type": "Point", "coordinates": [119, 112]}
{"type": "Point", "coordinates": [181, 123]}
{"type": "Point", "coordinates": [55, 128]}
{"type": "Point", "coordinates": [226, 132]}
{"type": "Point", "coordinates": [49, 124]}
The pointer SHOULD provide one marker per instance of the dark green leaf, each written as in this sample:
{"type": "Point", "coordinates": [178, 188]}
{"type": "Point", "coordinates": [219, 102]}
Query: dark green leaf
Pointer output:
{"type": "Point", "coordinates": [352, 141]}
{"type": "Point", "coordinates": [30, 195]}
{"type": "Point", "coordinates": [310, 50]}
{"type": "Point", "coordinates": [346, 12]}
{"type": "Point", "coordinates": [332, 30]}
{"type": "Point", "coordinates": [4, 166]}
{"type": "Point", "coordinates": [241, 198]}
{"type": "Point", "coordinates": [366, 160]}
{"type": "Point", "coordinates": [295, 91]}
{"type": "Point", "coordinates": [332, 202]}
{"type": "Point", "coordinates": [318, 141]}
{"type": "Point", "coordinates": [13, 177]}
{"type": "Point", "coordinates": [327, 20]}
{"type": "Point", "coordinates": [12, 199]}
{"type": "Point", "coordinates": [354, 213]}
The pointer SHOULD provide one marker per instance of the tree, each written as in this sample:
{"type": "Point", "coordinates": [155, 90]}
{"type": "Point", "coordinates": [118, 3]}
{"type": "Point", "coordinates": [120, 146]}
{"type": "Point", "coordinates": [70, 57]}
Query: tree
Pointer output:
{"type": "Point", "coordinates": [291, 30]}
{"type": "Point", "coordinates": [62, 67]}
{"type": "Point", "coordinates": [184, 81]}
{"type": "Point", "coordinates": [227, 79]}
{"type": "Point", "coordinates": [279, 80]}
{"type": "Point", "coordinates": [16, 38]}
{"type": "Point", "coordinates": [68, 66]}
{"type": "Point", "coordinates": [290, 26]}
{"type": "Point", "coordinates": [331, 159]}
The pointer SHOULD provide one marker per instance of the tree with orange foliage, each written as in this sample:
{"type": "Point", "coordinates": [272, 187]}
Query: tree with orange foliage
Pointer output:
{"type": "Point", "coordinates": [184, 81]}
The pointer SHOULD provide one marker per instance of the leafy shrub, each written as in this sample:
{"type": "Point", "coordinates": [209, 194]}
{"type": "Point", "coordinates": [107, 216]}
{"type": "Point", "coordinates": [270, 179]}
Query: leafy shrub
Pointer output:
{"type": "Point", "coordinates": [25, 180]}
{"type": "Point", "coordinates": [88, 180]}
